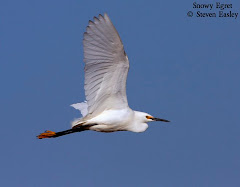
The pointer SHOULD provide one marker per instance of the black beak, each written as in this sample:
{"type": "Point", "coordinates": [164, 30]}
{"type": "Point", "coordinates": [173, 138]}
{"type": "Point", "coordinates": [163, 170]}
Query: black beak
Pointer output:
{"type": "Point", "coordinates": [158, 119]}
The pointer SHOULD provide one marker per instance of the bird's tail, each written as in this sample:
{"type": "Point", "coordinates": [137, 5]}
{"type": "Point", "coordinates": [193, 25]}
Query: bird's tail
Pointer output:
{"type": "Point", "coordinates": [83, 107]}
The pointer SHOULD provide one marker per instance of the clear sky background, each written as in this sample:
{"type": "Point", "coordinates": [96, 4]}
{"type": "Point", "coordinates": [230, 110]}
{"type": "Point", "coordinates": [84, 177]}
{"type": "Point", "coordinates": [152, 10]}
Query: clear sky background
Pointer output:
{"type": "Point", "coordinates": [183, 69]}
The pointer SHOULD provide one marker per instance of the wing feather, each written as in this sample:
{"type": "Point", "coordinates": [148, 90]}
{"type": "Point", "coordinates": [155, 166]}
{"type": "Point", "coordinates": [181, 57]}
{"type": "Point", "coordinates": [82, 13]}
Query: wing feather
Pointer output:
{"type": "Point", "coordinates": [106, 67]}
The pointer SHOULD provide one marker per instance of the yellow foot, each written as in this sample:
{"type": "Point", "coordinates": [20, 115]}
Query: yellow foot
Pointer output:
{"type": "Point", "coordinates": [46, 134]}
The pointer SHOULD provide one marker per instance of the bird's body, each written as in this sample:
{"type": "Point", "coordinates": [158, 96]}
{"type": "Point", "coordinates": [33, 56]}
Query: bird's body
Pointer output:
{"type": "Point", "coordinates": [106, 69]}
{"type": "Point", "coordinates": [112, 120]}
{"type": "Point", "coordinates": [116, 120]}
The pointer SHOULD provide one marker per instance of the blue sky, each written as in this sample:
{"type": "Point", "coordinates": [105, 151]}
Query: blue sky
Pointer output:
{"type": "Point", "coordinates": [182, 69]}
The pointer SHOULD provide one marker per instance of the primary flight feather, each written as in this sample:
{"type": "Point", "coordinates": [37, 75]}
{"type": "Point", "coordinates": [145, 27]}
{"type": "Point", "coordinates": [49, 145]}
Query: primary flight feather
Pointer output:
{"type": "Point", "coordinates": [106, 67]}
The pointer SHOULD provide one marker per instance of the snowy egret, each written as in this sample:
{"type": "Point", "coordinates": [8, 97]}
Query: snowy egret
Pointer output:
{"type": "Point", "coordinates": [106, 67]}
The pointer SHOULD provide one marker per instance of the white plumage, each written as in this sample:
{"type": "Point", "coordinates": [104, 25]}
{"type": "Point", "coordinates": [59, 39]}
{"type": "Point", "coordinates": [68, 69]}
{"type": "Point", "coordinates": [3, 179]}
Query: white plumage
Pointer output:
{"type": "Point", "coordinates": [83, 107]}
{"type": "Point", "coordinates": [106, 67]}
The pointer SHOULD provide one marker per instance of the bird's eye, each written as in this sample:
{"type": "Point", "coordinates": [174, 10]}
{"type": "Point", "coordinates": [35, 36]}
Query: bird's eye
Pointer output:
{"type": "Point", "coordinates": [149, 117]}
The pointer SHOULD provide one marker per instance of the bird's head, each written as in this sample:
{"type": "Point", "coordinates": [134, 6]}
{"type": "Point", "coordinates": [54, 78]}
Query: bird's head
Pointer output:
{"type": "Point", "coordinates": [141, 120]}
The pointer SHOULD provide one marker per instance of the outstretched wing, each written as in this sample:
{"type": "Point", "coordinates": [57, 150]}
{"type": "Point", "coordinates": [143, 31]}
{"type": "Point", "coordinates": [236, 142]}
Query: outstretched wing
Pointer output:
{"type": "Point", "coordinates": [106, 67]}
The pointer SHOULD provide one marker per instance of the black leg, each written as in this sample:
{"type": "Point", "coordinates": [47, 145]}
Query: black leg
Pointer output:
{"type": "Point", "coordinates": [51, 134]}
{"type": "Point", "coordinates": [70, 131]}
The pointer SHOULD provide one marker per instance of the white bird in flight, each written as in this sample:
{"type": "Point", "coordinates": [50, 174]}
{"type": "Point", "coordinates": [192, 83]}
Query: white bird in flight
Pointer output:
{"type": "Point", "coordinates": [106, 67]}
